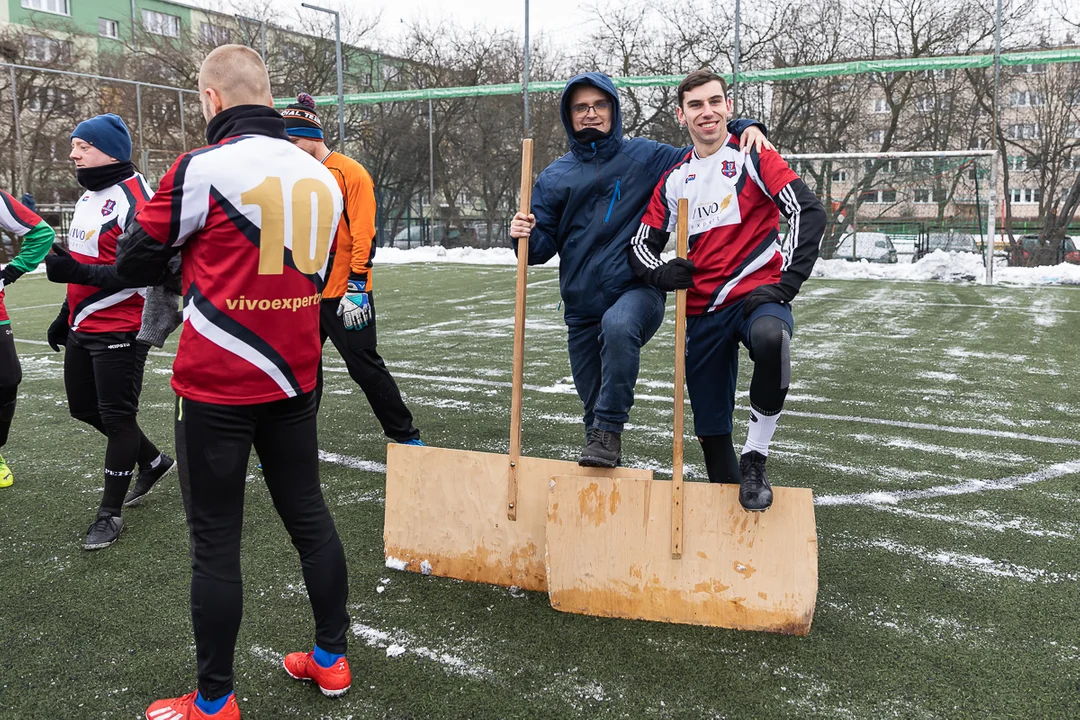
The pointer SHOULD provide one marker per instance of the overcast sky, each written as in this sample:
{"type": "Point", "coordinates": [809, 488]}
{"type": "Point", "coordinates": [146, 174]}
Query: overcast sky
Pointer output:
{"type": "Point", "coordinates": [564, 21]}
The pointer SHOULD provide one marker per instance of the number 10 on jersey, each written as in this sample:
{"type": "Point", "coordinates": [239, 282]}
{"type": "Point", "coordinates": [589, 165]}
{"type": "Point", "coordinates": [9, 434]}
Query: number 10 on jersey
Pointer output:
{"type": "Point", "coordinates": [270, 198]}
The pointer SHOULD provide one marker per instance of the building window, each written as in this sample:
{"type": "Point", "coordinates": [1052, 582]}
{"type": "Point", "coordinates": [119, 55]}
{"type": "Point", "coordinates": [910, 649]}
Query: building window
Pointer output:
{"type": "Point", "coordinates": [883, 166]}
{"type": "Point", "coordinates": [1074, 99]}
{"type": "Point", "coordinates": [1018, 162]}
{"type": "Point", "coordinates": [929, 103]}
{"type": "Point", "coordinates": [881, 105]}
{"type": "Point", "coordinates": [1025, 196]}
{"type": "Point", "coordinates": [45, 99]}
{"type": "Point", "coordinates": [1024, 131]}
{"type": "Point", "coordinates": [108, 28]}
{"type": "Point", "coordinates": [46, 50]}
{"type": "Point", "coordinates": [157, 23]}
{"type": "Point", "coordinates": [60, 7]}
{"type": "Point", "coordinates": [214, 34]}
{"type": "Point", "coordinates": [1030, 69]}
{"type": "Point", "coordinates": [1072, 130]}
{"type": "Point", "coordinates": [924, 196]}
{"type": "Point", "coordinates": [1026, 98]}
{"type": "Point", "coordinates": [840, 176]}
{"type": "Point", "coordinates": [878, 197]}
{"type": "Point", "coordinates": [875, 136]}
{"type": "Point", "coordinates": [292, 52]}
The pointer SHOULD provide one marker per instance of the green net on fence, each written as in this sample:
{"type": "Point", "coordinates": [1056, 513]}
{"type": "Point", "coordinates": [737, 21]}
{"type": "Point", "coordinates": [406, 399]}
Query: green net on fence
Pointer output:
{"type": "Point", "coordinates": [803, 72]}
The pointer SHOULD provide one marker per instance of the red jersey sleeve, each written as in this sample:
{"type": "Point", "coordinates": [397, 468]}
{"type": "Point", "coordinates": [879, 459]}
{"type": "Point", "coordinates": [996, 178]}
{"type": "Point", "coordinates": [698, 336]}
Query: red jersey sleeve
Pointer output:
{"type": "Point", "coordinates": [771, 172]}
{"type": "Point", "coordinates": [180, 205]}
{"type": "Point", "coordinates": [15, 217]}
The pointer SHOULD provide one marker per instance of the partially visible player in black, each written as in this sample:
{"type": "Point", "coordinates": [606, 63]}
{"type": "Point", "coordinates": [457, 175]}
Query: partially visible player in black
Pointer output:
{"type": "Point", "coordinates": [103, 365]}
{"type": "Point", "coordinates": [245, 371]}
{"type": "Point", "coordinates": [21, 221]}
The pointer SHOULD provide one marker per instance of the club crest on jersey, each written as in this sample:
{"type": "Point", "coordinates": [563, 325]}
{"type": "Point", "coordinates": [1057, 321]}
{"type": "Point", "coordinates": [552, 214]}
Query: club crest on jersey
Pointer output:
{"type": "Point", "coordinates": [690, 177]}
{"type": "Point", "coordinates": [108, 207]}
{"type": "Point", "coordinates": [728, 169]}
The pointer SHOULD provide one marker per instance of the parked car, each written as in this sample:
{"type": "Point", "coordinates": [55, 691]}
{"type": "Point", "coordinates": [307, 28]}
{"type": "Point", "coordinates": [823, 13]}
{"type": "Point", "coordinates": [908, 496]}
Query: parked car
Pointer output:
{"type": "Point", "coordinates": [948, 240]}
{"type": "Point", "coordinates": [873, 247]}
{"type": "Point", "coordinates": [1031, 252]}
{"type": "Point", "coordinates": [448, 237]}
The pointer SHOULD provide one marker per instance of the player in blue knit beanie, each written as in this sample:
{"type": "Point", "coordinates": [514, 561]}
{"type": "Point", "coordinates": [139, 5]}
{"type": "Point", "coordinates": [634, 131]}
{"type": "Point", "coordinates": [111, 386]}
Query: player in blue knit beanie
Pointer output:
{"type": "Point", "coordinates": [107, 133]}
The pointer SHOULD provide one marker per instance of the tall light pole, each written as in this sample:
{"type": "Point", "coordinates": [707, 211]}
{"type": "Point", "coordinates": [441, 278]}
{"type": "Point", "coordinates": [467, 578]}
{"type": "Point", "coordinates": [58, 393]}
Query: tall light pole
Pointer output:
{"type": "Point", "coordinates": [525, 74]}
{"type": "Point", "coordinates": [340, 92]}
{"type": "Point", "coordinates": [735, 61]}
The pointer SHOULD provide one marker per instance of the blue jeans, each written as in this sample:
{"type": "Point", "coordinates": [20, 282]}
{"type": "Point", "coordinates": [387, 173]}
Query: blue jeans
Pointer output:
{"type": "Point", "coordinates": [605, 356]}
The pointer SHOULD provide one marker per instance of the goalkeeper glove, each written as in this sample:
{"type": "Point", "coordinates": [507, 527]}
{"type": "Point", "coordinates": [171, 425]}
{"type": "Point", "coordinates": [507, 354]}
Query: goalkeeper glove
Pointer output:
{"type": "Point", "coordinates": [355, 308]}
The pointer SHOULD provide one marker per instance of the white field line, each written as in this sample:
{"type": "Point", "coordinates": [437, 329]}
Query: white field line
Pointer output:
{"type": "Point", "coordinates": [988, 566]}
{"type": "Point", "coordinates": [920, 303]}
{"type": "Point", "coordinates": [400, 642]}
{"type": "Point", "coordinates": [1000, 526]}
{"type": "Point", "coordinates": [965, 487]}
{"type": "Point", "coordinates": [354, 463]}
{"type": "Point", "coordinates": [32, 307]}
{"type": "Point", "coordinates": [155, 353]}
{"type": "Point", "coordinates": [567, 389]}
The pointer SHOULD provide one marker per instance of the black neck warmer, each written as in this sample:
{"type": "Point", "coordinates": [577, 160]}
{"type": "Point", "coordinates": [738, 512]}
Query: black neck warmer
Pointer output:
{"type": "Point", "coordinates": [104, 176]}
{"type": "Point", "coordinates": [589, 135]}
{"type": "Point", "coordinates": [245, 120]}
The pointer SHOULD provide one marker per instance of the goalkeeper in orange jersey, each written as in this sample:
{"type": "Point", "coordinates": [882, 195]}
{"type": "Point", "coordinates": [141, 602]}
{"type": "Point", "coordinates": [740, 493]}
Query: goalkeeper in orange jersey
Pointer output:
{"type": "Point", "coordinates": [348, 306]}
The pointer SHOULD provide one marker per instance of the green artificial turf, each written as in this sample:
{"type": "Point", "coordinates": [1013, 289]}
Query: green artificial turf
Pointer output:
{"type": "Point", "coordinates": [933, 605]}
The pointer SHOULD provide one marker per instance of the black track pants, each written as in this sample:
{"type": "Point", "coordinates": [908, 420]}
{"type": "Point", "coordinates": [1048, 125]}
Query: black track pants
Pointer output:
{"type": "Point", "coordinates": [213, 443]}
{"type": "Point", "coordinates": [366, 367]}
{"type": "Point", "coordinates": [103, 379]}
{"type": "Point", "coordinates": [10, 377]}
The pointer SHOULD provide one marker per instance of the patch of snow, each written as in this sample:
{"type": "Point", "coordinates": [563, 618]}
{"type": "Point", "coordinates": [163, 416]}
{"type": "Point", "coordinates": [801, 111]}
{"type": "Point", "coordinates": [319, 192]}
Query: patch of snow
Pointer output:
{"type": "Point", "coordinates": [425, 567]}
{"type": "Point", "coordinates": [394, 564]}
{"type": "Point", "coordinates": [464, 255]}
{"type": "Point", "coordinates": [947, 266]}
{"type": "Point", "coordinates": [352, 462]}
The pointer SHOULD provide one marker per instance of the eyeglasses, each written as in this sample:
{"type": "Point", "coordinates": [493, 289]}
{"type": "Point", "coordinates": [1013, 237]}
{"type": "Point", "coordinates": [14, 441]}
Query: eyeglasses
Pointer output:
{"type": "Point", "coordinates": [584, 108]}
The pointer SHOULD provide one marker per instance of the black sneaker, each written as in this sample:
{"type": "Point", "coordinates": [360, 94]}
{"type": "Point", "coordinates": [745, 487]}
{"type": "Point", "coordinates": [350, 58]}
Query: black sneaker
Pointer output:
{"type": "Point", "coordinates": [147, 478]}
{"type": "Point", "coordinates": [103, 532]}
{"type": "Point", "coordinates": [604, 449]}
{"type": "Point", "coordinates": [755, 493]}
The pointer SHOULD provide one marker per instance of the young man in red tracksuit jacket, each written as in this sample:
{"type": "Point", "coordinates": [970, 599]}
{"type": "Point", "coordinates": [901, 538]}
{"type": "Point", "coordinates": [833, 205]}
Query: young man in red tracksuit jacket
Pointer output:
{"type": "Point", "coordinates": [740, 285]}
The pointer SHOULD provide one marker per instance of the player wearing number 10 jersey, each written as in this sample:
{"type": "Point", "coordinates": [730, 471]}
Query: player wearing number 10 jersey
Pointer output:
{"type": "Point", "coordinates": [253, 218]}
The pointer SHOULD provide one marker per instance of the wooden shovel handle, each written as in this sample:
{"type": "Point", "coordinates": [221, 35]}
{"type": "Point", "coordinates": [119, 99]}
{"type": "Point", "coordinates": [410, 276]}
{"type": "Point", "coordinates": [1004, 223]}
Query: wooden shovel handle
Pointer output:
{"type": "Point", "coordinates": [681, 242]}
{"type": "Point", "coordinates": [519, 334]}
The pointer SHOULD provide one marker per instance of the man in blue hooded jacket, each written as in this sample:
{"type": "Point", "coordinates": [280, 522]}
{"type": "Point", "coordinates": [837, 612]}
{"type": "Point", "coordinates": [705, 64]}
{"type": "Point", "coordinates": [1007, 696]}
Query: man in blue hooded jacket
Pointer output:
{"type": "Point", "coordinates": [586, 207]}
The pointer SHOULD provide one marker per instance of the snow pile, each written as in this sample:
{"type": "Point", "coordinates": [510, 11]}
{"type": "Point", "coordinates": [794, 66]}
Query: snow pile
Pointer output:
{"type": "Point", "coordinates": [462, 255]}
{"type": "Point", "coordinates": [939, 265]}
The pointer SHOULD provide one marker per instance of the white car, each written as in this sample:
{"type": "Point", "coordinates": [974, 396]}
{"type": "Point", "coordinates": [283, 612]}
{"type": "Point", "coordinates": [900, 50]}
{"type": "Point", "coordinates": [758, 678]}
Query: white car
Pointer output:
{"type": "Point", "coordinates": [873, 247]}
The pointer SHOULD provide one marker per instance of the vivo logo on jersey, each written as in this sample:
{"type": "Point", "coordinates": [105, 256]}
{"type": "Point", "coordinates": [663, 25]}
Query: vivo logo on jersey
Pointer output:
{"type": "Point", "coordinates": [83, 242]}
{"type": "Point", "coordinates": [293, 303]}
{"type": "Point", "coordinates": [702, 212]}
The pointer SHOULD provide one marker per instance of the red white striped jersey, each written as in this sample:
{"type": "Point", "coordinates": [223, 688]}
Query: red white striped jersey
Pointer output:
{"type": "Point", "coordinates": [100, 218]}
{"type": "Point", "coordinates": [18, 220]}
{"type": "Point", "coordinates": [734, 223]}
{"type": "Point", "coordinates": [254, 217]}
{"type": "Point", "coordinates": [15, 217]}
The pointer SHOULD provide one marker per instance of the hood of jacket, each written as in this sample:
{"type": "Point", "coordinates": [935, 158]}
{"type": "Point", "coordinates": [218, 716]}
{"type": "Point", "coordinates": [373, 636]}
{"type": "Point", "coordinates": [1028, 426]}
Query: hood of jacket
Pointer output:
{"type": "Point", "coordinates": [609, 146]}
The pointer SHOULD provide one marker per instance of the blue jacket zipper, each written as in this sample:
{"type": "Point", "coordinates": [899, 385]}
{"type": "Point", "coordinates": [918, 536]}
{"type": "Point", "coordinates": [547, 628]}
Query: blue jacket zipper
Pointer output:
{"type": "Point", "coordinates": [614, 197]}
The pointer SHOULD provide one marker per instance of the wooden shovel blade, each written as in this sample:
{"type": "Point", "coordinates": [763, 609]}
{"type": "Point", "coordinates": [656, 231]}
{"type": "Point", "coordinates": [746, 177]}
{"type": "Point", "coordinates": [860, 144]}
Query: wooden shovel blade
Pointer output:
{"type": "Point", "coordinates": [609, 554]}
{"type": "Point", "coordinates": [446, 513]}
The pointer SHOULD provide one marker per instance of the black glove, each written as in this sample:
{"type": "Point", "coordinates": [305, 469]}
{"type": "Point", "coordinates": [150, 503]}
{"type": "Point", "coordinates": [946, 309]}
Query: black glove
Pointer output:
{"type": "Point", "coordinates": [58, 331]}
{"type": "Point", "coordinates": [765, 294]}
{"type": "Point", "coordinates": [675, 274]}
{"type": "Point", "coordinates": [65, 269]}
{"type": "Point", "coordinates": [10, 274]}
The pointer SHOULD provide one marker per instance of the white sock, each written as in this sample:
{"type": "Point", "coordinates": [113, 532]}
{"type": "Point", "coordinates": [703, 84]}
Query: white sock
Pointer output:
{"type": "Point", "coordinates": [761, 430]}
